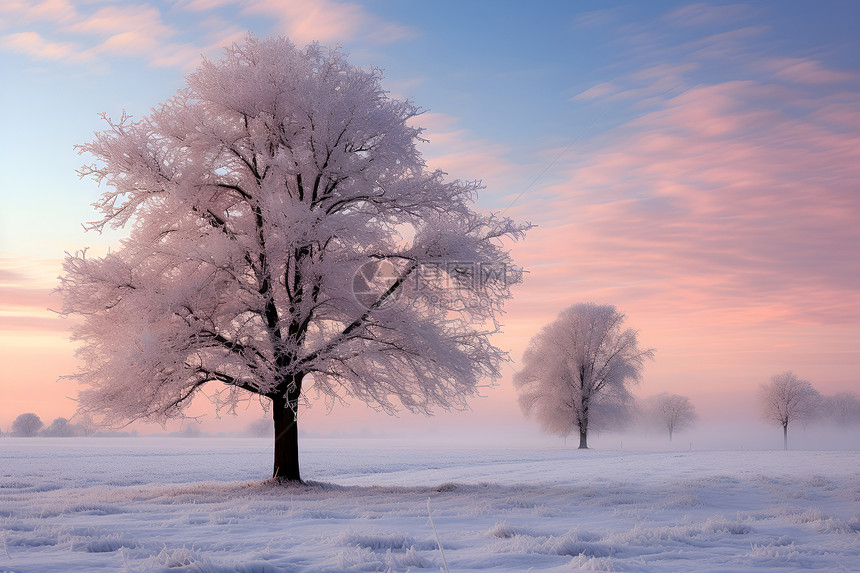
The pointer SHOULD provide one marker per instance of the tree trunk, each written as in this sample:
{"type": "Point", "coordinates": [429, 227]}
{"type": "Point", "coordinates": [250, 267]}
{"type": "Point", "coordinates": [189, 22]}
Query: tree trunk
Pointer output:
{"type": "Point", "coordinates": [785, 436]}
{"type": "Point", "coordinates": [286, 439]}
{"type": "Point", "coordinates": [583, 438]}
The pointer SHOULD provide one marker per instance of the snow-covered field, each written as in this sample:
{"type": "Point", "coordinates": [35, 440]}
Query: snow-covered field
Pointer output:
{"type": "Point", "coordinates": [202, 505]}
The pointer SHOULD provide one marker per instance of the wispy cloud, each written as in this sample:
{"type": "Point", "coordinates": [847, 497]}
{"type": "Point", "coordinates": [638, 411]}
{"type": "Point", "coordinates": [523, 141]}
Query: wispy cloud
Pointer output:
{"type": "Point", "coordinates": [596, 18]}
{"type": "Point", "coordinates": [62, 31]}
{"type": "Point", "coordinates": [25, 299]}
{"type": "Point", "coordinates": [46, 10]}
{"type": "Point", "coordinates": [805, 71]}
{"type": "Point", "coordinates": [34, 45]}
{"type": "Point", "coordinates": [701, 13]}
{"type": "Point", "coordinates": [732, 201]}
{"type": "Point", "coordinates": [463, 155]}
{"type": "Point", "coordinates": [72, 35]}
{"type": "Point", "coordinates": [327, 21]}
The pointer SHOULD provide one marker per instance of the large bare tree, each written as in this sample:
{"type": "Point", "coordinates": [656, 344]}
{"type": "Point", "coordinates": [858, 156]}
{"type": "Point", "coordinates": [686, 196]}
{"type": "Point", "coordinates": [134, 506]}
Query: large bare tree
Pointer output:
{"type": "Point", "coordinates": [285, 238]}
{"type": "Point", "coordinates": [788, 399]}
{"type": "Point", "coordinates": [578, 369]}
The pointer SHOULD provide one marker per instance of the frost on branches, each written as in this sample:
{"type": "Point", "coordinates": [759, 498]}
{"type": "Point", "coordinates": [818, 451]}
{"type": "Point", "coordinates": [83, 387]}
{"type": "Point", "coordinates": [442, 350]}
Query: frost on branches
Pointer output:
{"type": "Point", "coordinates": [672, 412]}
{"type": "Point", "coordinates": [577, 371]}
{"type": "Point", "coordinates": [788, 399]}
{"type": "Point", "coordinates": [259, 200]}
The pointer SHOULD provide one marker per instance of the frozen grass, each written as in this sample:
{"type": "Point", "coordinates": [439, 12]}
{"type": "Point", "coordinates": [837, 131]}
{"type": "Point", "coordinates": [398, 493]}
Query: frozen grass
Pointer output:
{"type": "Point", "coordinates": [203, 506]}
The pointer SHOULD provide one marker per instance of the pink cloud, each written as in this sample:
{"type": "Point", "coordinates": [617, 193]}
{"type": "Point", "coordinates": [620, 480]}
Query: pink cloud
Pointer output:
{"type": "Point", "coordinates": [462, 155]}
{"type": "Point", "coordinates": [34, 45]}
{"type": "Point", "coordinates": [805, 71]}
{"type": "Point", "coordinates": [597, 91]}
{"type": "Point", "coordinates": [141, 30]}
{"type": "Point", "coordinates": [126, 31]}
{"type": "Point", "coordinates": [702, 13]}
{"type": "Point", "coordinates": [327, 21]}
{"type": "Point", "coordinates": [203, 5]}
{"type": "Point", "coordinates": [25, 304]}
{"type": "Point", "coordinates": [723, 221]}
{"type": "Point", "coordinates": [112, 20]}
{"type": "Point", "coordinates": [46, 10]}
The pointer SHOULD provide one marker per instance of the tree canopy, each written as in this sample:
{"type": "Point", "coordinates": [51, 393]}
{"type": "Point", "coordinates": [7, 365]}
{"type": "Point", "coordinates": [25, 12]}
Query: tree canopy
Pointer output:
{"type": "Point", "coordinates": [673, 412]}
{"type": "Point", "coordinates": [577, 371]}
{"type": "Point", "coordinates": [256, 199]}
{"type": "Point", "coordinates": [27, 425]}
{"type": "Point", "coordinates": [787, 399]}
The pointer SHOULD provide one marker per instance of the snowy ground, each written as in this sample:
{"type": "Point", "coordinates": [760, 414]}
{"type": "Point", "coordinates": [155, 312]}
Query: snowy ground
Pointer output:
{"type": "Point", "coordinates": [201, 505]}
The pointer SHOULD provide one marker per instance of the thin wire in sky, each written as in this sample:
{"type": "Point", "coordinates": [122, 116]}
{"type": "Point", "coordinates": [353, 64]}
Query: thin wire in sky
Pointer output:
{"type": "Point", "coordinates": [555, 159]}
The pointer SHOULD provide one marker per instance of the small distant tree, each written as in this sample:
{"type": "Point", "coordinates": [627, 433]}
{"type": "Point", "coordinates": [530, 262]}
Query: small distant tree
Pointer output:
{"type": "Point", "coordinates": [788, 399]}
{"type": "Point", "coordinates": [261, 428]}
{"type": "Point", "coordinates": [842, 408]}
{"type": "Point", "coordinates": [85, 424]}
{"type": "Point", "coordinates": [671, 411]}
{"type": "Point", "coordinates": [27, 425]}
{"type": "Point", "coordinates": [577, 371]}
{"type": "Point", "coordinates": [60, 428]}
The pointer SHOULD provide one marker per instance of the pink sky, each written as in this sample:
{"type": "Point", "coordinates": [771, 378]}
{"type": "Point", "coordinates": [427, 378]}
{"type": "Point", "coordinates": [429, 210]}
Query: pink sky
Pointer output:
{"type": "Point", "coordinates": [722, 215]}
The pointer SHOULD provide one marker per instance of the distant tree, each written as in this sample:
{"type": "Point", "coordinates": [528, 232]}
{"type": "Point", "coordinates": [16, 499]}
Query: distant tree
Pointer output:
{"type": "Point", "coordinates": [577, 371]}
{"type": "Point", "coordinates": [842, 408]}
{"type": "Point", "coordinates": [285, 236]}
{"type": "Point", "coordinates": [788, 399]}
{"type": "Point", "coordinates": [188, 430]}
{"type": "Point", "coordinates": [85, 424]}
{"type": "Point", "coordinates": [671, 411]}
{"type": "Point", "coordinates": [60, 428]}
{"type": "Point", "coordinates": [27, 425]}
{"type": "Point", "coordinates": [261, 428]}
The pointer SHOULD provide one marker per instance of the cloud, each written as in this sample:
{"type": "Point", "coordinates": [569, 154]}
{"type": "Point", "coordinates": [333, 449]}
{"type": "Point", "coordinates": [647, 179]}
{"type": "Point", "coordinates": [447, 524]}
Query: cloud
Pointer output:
{"type": "Point", "coordinates": [326, 21]}
{"type": "Point", "coordinates": [598, 91]}
{"type": "Point", "coordinates": [144, 31]}
{"type": "Point", "coordinates": [731, 204]}
{"type": "Point", "coordinates": [702, 14]}
{"type": "Point", "coordinates": [306, 21]}
{"type": "Point", "coordinates": [596, 18]}
{"type": "Point", "coordinates": [463, 155]}
{"type": "Point", "coordinates": [805, 71]}
{"type": "Point", "coordinates": [25, 298]}
{"type": "Point", "coordinates": [112, 20]}
{"type": "Point", "coordinates": [34, 45]}
{"type": "Point", "coordinates": [47, 10]}
{"type": "Point", "coordinates": [109, 31]}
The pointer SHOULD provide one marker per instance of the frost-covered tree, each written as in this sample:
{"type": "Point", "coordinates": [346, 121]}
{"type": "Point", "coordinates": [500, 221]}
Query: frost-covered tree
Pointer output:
{"type": "Point", "coordinates": [286, 241]}
{"type": "Point", "coordinates": [788, 399]}
{"type": "Point", "coordinates": [578, 369]}
{"type": "Point", "coordinates": [84, 424]}
{"type": "Point", "coordinates": [672, 412]}
{"type": "Point", "coordinates": [27, 425]}
{"type": "Point", "coordinates": [60, 428]}
{"type": "Point", "coordinates": [843, 408]}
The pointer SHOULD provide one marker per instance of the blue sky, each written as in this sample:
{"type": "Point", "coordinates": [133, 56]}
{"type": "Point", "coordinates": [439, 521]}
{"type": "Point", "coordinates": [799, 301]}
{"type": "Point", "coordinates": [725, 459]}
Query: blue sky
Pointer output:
{"type": "Point", "coordinates": [693, 163]}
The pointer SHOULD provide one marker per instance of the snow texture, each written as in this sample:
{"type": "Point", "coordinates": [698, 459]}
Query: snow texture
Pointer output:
{"type": "Point", "coordinates": [203, 506]}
